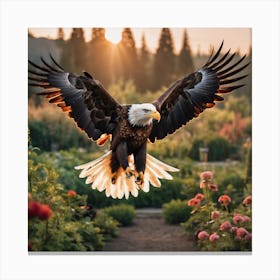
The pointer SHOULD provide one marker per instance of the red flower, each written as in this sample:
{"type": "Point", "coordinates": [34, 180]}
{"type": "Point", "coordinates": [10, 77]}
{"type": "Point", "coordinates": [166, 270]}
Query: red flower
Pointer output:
{"type": "Point", "coordinates": [199, 196]}
{"type": "Point", "coordinates": [247, 200]}
{"type": "Point", "coordinates": [45, 212]}
{"type": "Point", "coordinates": [224, 199]}
{"type": "Point", "coordinates": [215, 215]}
{"type": "Point", "coordinates": [213, 187]}
{"type": "Point", "coordinates": [71, 193]}
{"type": "Point", "coordinates": [206, 175]}
{"type": "Point", "coordinates": [241, 232]}
{"type": "Point", "coordinates": [225, 226]}
{"type": "Point", "coordinates": [33, 208]}
{"type": "Point", "coordinates": [213, 237]}
{"type": "Point", "coordinates": [246, 219]}
{"type": "Point", "coordinates": [202, 235]}
{"type": "Point", "coordinates": [194, 202]}
{"type": "Point", "coordinates": [238, 218]}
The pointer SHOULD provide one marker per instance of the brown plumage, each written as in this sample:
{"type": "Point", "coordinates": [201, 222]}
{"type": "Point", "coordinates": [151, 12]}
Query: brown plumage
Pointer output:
{"type": "Point", "coordinates": [127, 167]}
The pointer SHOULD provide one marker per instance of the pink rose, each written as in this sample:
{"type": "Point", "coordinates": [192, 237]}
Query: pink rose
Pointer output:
{"type": "Point", "coordinates": [241, 232]}
{"type": "Point", "coordinates": [206, 175]}
{"type": "Point", "coordinates": [224, 199]}
{"type": "Point", "coordinates": [202, 235]}
{"type": "Point", "coordinates": [225, 226]}
{"type": "Point", "coordinates": [215, 215]}
{"type": "Point", "coordinates": [213, 237]}
{"type": "Point", "coordinates": [194, 202]}
{"type": "Point", "coordinates": [247, 200]}
{"type": "Point", "coordinates": [213, 187]}
{"type": "Point", "coordinates": [199, 196]}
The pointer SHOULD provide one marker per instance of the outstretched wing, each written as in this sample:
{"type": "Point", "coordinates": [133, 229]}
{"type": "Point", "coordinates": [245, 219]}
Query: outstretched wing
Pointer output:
{"type": "Point", "coordinates": [186, 98]}
{"type": "Point", "coordinates": [84, 98]}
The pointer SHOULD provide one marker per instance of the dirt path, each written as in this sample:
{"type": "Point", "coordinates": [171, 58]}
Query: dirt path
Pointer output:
{"type": "Point", "coordinates": [149, 233]}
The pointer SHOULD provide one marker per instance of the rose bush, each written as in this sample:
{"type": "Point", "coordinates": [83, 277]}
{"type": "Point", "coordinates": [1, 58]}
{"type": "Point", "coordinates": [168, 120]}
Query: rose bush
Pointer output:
{"type": "Point", "coordinates": [214, 224]}
{"type": "Point", "coordinates": [60, 219]}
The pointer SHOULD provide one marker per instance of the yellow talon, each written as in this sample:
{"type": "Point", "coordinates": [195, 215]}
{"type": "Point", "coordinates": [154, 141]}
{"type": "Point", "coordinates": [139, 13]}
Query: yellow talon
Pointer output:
{"type": "Point", "coordinates": [140, 178]}
{"type": "Point", "coordinates": [128, 172]}
{"type": "Point", "coordinates": [114, 178]}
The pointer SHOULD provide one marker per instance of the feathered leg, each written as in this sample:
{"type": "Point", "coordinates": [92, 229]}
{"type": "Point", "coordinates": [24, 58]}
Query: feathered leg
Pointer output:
{"type": "Point", "coordinates": [120, 159]}
{"type": "Point", "coordinates": [140, 163]}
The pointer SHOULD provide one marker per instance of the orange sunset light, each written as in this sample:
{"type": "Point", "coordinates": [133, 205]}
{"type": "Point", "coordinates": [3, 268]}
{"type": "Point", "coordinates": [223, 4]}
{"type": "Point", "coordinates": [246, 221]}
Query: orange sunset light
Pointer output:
{"type": "Point", "coordinates": [200, 38]}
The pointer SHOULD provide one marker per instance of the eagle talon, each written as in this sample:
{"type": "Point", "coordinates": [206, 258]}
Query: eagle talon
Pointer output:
{"type": "Point", "coordinates": [140, 178]}
{"type": "Point", "coordinates": [114, 178]}
{"type": "Point", "coordinates": [128, 172]}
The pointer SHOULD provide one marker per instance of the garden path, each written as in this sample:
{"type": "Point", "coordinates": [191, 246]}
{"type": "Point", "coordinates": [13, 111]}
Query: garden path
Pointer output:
{"type": "Point", "coordinates": [149, 233]}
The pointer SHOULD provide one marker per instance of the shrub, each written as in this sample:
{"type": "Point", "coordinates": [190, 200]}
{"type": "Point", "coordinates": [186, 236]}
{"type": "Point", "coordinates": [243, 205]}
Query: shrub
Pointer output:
{"type": "Point", "coordinates": [122, 213]}
{"type": "Point", "coordinates": [108, 226]}
{"type": "Point", "coordinates": [225, 229]}
{"type": "Point", "coordinates": [56, 220]}
{"type": "Point", "coordinates": [176, 211]}
{"type": "Point", "coordinates": [219, 148]}
{"type": "Point", "coordinates": [50, 129]}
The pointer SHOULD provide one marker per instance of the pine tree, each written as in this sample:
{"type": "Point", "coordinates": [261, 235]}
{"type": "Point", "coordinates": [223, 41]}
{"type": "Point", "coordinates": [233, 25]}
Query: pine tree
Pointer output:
{"type": "Point", "coordinates": [74, 55]}
{"type": "Point", "coordinates": [142, 78]}
{"type": "Point", "coordinates": [60, 34]}
{"type": "Point", "coordinates": [164, 65]}
{"type": "Point", "coordinates": [184, 62]}
{"type": "Point", "coordinates": [99, 62]}
{"type": "Point", "coordinates": [97, 34]}
{"type": "Point", "coordinates": [60, 38]}
{"type": "Point", "coordinates": [126, 62]}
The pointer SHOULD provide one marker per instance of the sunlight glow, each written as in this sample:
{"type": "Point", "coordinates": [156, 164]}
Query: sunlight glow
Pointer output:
{"type": "Point", "coordinates": [113, 35]}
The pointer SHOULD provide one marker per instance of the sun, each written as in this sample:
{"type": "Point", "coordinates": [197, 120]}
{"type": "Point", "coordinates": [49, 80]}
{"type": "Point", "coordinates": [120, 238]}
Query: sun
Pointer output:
{"type": "Point", "coordinates": [113, 35]}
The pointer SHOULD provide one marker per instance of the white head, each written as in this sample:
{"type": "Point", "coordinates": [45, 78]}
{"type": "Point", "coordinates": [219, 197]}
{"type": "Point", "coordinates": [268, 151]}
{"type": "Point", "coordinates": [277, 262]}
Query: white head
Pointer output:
{"type": "Point", "coordinates": [142, 114]}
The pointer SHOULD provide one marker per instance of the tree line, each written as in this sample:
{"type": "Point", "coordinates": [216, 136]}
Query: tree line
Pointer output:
{"type": "Point", "coordinates": [109, 63]}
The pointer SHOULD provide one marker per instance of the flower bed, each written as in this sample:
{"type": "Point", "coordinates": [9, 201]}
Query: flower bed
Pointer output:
{"type": "Point", "coordinates": [215, 225]}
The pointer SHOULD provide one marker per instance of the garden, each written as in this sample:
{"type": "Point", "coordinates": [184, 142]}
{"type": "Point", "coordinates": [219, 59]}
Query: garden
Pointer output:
{"type": "Point", "coordinates": [208, 201]}
{"type": "Point", "coordinates": [212, 207]}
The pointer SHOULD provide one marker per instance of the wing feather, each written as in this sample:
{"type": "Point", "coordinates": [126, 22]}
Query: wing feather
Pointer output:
{"type": "Point", "coordinates": [186, 98]}
{"type": "Point", "coordinates": [93, 109]}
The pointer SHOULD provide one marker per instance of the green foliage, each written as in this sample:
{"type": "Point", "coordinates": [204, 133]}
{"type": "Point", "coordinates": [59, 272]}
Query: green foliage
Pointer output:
{"type": "Point", "coordinates": [108, 226]}
{"type": "Point", "coordinates": [229, 221]}
{"type": "Point", "coordinates": [51, 129]}
{"type": "Point", "coordinates": [122, 213]}
{"type": "Point", "coordinates": [176, 211]}
{"type": "Point", "coordinates": [69, 227]}
{"type": "Point", "coordinates": [219, 148]}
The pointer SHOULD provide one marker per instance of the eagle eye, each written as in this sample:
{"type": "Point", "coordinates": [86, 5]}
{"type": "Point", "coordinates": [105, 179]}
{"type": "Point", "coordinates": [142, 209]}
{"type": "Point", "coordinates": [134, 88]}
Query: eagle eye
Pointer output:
{"type": "Point", "coordinates": [146, 110]}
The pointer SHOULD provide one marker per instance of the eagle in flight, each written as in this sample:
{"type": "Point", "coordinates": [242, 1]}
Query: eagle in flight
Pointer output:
{"type": "Point", "coordinates": [127, 168]}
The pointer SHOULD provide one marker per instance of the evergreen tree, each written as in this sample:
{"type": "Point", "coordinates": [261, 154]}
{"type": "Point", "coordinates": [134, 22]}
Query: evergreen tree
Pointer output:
{"type": "Point", "coordinates": [60, 37]}
{"type": "Point", "coordinates": [185, 63]}
{"type": "Point", "coordinates": [126, 60]}
{"type": "Point", "coordinates": [74, 54]}
{"type": "Point", "coordinates": [142, 78]}
{"type": "Point", "coordinates": [99, 62]}
{"type": "Point", "coordinates": [97, 34]}
{"type": "Point", "coordinates": [164, 65]}
{"type": "Point", "coordinates": [60, 34]}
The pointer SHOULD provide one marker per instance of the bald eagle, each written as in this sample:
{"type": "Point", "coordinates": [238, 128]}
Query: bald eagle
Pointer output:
{"type": "Point", "coordinates": [127, 168]}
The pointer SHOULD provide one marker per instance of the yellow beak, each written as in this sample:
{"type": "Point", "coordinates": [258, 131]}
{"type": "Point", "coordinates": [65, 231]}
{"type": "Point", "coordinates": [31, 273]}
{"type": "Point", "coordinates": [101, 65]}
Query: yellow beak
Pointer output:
{"type": "Point", "coordinates": [156, 115]}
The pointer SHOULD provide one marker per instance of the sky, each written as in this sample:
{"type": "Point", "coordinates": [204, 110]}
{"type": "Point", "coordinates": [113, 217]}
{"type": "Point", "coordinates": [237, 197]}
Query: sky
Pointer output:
{"type": "Point", "coordinates": [200, 38]}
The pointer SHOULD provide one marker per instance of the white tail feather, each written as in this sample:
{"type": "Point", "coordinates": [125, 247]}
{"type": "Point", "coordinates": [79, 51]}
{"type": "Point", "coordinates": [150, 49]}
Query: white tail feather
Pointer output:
{"type": "Point", "coordinates": [98, 173]}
